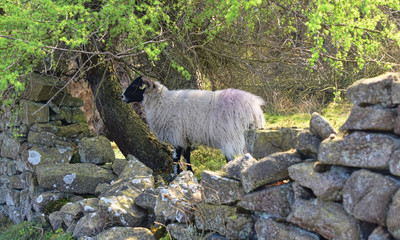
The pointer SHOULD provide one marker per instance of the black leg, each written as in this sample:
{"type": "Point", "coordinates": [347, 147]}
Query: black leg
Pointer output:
{"type": "Point", "coordinates": [227, 159]}
{"type": "Point", "coordinates": [186, 155]}
{"type": "Point", "coordinates": [176, 157]}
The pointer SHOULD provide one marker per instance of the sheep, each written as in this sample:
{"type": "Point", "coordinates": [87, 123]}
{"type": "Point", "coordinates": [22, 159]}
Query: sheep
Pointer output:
{"type": "Point", "coordinates": [189, 118]}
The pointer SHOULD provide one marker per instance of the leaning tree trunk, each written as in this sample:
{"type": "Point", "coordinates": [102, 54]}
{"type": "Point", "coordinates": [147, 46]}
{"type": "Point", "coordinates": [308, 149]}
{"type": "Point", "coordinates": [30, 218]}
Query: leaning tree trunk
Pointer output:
{"type": "Point", "coordinates": [123, 125]}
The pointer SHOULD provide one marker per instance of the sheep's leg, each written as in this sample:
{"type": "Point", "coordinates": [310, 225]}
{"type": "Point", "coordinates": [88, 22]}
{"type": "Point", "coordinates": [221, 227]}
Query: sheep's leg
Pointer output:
{"type": "Point", "coordinates": [228, 159]}
{"type": "Point", "coordinates": [186, 155]}
{"type": "Point", "coordinates": [176, 157]}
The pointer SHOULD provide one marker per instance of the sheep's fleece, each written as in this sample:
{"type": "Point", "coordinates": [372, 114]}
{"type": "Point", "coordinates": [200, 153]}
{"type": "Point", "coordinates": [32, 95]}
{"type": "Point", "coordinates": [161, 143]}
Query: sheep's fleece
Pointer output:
{"type": "Point", "coordinates": [188, 118]}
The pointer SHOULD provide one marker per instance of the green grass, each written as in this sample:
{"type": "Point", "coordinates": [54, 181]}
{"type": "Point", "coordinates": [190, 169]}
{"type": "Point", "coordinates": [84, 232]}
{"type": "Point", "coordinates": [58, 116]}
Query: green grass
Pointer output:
{"type": "Point", "coordinates": [31, 230]}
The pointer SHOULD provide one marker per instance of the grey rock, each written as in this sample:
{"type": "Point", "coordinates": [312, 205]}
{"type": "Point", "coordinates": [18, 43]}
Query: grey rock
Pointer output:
{"type": "Point", "coordinates": [308, 144]}
{"type": "Point", "coordinates": [370, 118]}
{"type": "Point", "coordinates": [42, 138]}
{"type": "Point", "coordinates": [366, 195]}
{"type": "Point", "coordinates": [42, 88]}
{"type": "Point", "coordinates": [122, 210]}
{"type": "Point", "coordinates": [380, 90]}
{"type": "Point", "coordinates": [29, 108]}
{"type": "Point", "coordinates": [265, 142]}
{"type": "Point", "coordinates": [359, 149]}
{"type": "Point", "coordinates": [326, 185]}
{"type": "Point", "coordinates": [176, 203]}
{"type": "Point", "coordinates": [119, 165]}
{"type": "Point", "coordinates": [125, 233]}
{"type": "Point", "coordinates": [96, 150]}
{"type": "Point", "coordinates": [134, 168]}
{"type": "Point", "coordinates": [89, 225]}
{"type": "Point", "coordinates": [40, 201]}
{"type": "Point", "coordinates": [329, 219]}
{"type": "Point", "coordinates": [224, 220]}
{"type": "Point", "coordinates": [233, 168]}
{"type": "Point", "coordinates": [56, 220]}
{"type": "Point", "coordinates": [275, 201]}
{"type": "Point", "coordinates": [71, 212]}
{"type": "Point", "coordinates": [394, 163]}
{"type": "Point", "coordinates": [78, 178]}
{"type": "Point", "coordinates": [218, 189]}
{"type": "Point", "coordinates": [66, 100]}
{"type": "Point", "coordinates": [39, 155]}
{"type": "Point", "coordinates": [380, 233]}
{"type": "Point", "coordinates": [89, 205]}
{"type": "Point", "coordinates": [393, 217]}
{"type": "Point", "coordinates": [268, 229]}
{"type": "Point", "coordinates": [9, 146]}
{"type": "Point", "coordinates": [321, 126]}
{"type": "Point", "coordinates": [181, 231]}
{"type": "Point", "coordinates": [269, 169]}
{"type": "Point", "coordinates": [147, 199]}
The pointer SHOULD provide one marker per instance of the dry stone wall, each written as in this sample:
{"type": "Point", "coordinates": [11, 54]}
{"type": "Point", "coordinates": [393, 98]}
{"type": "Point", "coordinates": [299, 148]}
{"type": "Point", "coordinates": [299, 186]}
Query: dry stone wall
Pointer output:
{"type": "Point", "coordinates": [311, 183]}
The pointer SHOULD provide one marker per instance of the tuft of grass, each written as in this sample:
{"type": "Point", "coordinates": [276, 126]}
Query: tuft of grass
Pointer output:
{"type": "Point", "coordinates": [32, 230]}
{"type": "Point", "coordinates": [204, 158]}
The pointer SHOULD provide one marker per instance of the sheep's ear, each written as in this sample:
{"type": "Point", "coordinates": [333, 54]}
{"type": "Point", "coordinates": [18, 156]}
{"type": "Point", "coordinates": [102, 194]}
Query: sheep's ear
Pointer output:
{"type": "Point", "coordinates": [147, 84]}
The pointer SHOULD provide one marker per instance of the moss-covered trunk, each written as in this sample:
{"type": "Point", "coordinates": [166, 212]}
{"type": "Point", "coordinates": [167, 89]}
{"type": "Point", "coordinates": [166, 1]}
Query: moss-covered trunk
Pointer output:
{"type": "Point", "coordinates": [123, 125]}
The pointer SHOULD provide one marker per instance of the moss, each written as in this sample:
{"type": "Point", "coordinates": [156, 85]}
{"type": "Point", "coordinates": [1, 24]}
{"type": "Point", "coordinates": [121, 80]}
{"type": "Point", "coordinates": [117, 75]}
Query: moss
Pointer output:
{"type": "Point", "coordinates": [54, 206]}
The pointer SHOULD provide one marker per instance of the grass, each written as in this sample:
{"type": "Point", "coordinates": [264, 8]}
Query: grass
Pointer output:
{"type": "Point", "coordinates": [31, 230]}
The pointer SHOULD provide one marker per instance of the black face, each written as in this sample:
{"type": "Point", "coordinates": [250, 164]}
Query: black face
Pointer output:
{"type": "Point", "coordinates": [135, 91]}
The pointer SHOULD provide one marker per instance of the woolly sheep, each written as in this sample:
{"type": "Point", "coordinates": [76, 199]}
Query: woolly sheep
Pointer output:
{"type": "Point", "coordinates": [189, 118]}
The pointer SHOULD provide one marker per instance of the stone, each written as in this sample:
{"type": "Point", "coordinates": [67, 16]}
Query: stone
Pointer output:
{"type": "Point", "coordinates": [121, 187]}
{"type": "Point", "coordinates": [264, 142]}
{"type": "Point", "coordinates": [326, 185]}
{"type": "Point", "coordinates": [78, 116]}
{"type": "Point", "coordinates": [147, 199]}
{"type": "Point", "coordinates": [326, 218]}
{"type": "Point", "coordinates": [268, 170]}
{"type": "Point", "coordinates": [18, 182]}
{"type": "Point", "coordinates": [71, 213]}
{"type": "Point", "coordinates": [40, 201]}
{"type": "Point", "coordinates": [359, 149]}
{"type": "Point", "coordinates": [119, 165]}
{"type": "Point", "coordinates": [320, 126]}
{"type": "Point", "coordinates": [366, 195]}
{"type": "Point", "coordinates": [96, 150]}
{"type": "Point", "coordinates": [29, 108]}
{"type": "Point", "coordinates": [122, 211]}
{"type": "Point", "coordinates": [89, 205]}
{"type": "Point", "coordinates": [56, 220]}
{"type": "Point", "coordinates": [370, 119]}
{"type": "Point", "coordinates": [224, 220]}
{"type": "Point", "coordinates": [42, 138]}
{"type": "Point", "coordinates": [67, 100]}
{"type": "Point", "coordinates": [40, 154]}
{"type": "Point", "coordinates": [80, 178]}
{"type": "Point", "coordinates": [380, 233]}
{"type": "Point", "coordinates": [89, 225]}
{"type": "Point", "coordinates": [393, 218]}
{"type": "Point", "coordinates": [308, 144]}
{"type": "Point", "coordinates": [394, 163]}
{"type": "Point", "coordinates": [218, 189]}
{"type": "Point", "coordinates": [177, 201]}
{"type": "Point", "coordinates": [275, 201]}
{"type": "Point", "coordinates": [125, 233]}
{"type": "Point", "coordinates": [268, 229]}
{"type": "Point", "coordinates": [380, 90]}
{"type": "Point", "coordinates": [181, 231]}
{"type": "Point", "coordinates": [235, 167]}
{"type": "Point", "coordinates": [42, 87]}
{"type": "Point", "coordinates": [73, 130]}
{"type": "Point", "coordinates": [10, 146]}
{"type": "Point", "coordinates": [134, 168]}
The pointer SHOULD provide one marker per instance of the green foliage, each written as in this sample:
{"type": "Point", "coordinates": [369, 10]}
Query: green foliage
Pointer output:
{"type": "Point", "coordinates": [204, 158]}
{"type": "Point", "coordinates": [56, 205]}
{"type": "Point", "coordinates": [33, 231]}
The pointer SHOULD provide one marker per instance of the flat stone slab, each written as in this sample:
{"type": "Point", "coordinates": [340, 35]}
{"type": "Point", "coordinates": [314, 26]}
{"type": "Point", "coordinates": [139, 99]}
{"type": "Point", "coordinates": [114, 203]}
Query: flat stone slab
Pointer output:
{"type": "Point", "coordinates": [275, 201]}
{"type": "Point", "coordinates": [325, 185]}
{"type": "Point", "coordinates": [268, 170]}
{"type": "Point", "coordinates": [268, 229]}
{"type": "Point", "coordinates": [326, 218]}
{"type": "Point", "coordinates": [393, 216]}
{"type": "Point", "coordinates": [382, 90]}
{"type": "Point", "coordinates": [370, 118]}
{"type": "Point", "coordinates": [366, 195]}
{"type": "Point", "coordinates": [81, 178]}
{"type": "Point", "coordinates": [218, 189]}
{"type": "Point", "coordinates": [359, 149]}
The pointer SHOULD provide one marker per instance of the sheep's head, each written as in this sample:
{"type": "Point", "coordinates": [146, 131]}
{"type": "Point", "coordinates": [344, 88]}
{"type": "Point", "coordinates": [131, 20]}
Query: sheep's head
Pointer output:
{"type": "Point", "coordinates": [135, 92]}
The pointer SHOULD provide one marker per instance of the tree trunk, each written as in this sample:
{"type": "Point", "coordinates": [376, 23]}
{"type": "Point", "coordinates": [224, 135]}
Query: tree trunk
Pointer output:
{"type": "Point", "coordinates": [123, 125]}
